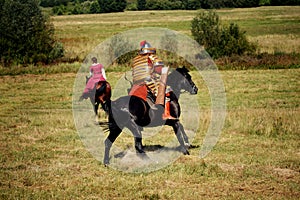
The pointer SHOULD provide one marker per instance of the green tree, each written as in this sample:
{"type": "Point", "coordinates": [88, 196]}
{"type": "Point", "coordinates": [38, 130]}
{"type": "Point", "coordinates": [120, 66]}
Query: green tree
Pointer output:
{"type": "Point", "coordinates": [26, 36]}
{"type": "Point", "coordinates": [95, 8]}
{"type": "Point", "coordinates": [52, 3]}
{"type": "Point", "coordinates": [191, 4]}
{"type": "Point", "coordinates": [284, 2]}
{"type": "Point", "coordinates": [141, 4]}
{"type": "Point", "coordinates": [219, 40]}
{"type": "Point", "coordinates": [108, 6]}
{"type": "Point", "coordinates": [206, 30]}
{"type": "Point", "coordinates": [264, 2]}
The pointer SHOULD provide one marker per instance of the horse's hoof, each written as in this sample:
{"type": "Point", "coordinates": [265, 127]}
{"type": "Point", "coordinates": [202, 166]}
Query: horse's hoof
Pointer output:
{"type": "Point", "coordinates": [187, 145]}
{"type": "Point", "coordinates": [186, 152]}
{"type": "Point", "coordinates": [106, 163]}
{"type": "Point", "coordinates": [143, 156]}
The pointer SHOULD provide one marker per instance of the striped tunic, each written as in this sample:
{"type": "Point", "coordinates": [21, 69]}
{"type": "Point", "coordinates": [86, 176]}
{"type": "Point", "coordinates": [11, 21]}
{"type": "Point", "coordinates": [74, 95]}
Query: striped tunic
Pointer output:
{"type": "Point", "coordinates": [142, 72]}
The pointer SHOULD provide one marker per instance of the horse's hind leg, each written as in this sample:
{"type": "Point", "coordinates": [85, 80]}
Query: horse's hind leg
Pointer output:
{"type": "Point", "coordinates": [136, 131]}
{"type": "Point", "coordinates": [177, 127]}
{"type": "Point", "coordinates": [114, 132]}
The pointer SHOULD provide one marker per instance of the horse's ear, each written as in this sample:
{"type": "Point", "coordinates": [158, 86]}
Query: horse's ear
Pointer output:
{"type": "Point", "coordinates": [185, 69]}
{"type": "Point", "coordinates": [182, 69]}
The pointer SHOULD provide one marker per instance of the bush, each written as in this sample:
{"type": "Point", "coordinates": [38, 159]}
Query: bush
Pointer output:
{"type": "Point", "coordinates": [217, 39]}
{"type": "Point", "coordinates": [234, 42]}
{"type": "Point", "coordinates": [26, 34]}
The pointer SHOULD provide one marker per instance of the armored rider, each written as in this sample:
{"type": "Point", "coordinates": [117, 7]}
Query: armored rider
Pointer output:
{"type": "Point", "coordinates": [149, 78]}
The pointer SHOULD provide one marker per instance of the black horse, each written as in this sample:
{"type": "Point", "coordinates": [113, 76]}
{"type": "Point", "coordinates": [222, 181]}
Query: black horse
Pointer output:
{"type": "Point", "coordinates": [135, 113]}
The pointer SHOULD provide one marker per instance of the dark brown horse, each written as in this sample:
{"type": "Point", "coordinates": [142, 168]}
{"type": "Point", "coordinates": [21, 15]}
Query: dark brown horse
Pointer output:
{"type": "Point", "coordinates": [135, 113]}
{"type": "Point", "coordinates": [100, 95]}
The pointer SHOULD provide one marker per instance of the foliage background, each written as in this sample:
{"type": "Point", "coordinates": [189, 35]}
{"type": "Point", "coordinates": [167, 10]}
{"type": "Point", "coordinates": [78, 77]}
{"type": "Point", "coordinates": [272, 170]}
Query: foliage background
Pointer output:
{"type": "Point", "coordinates": [26, 36]}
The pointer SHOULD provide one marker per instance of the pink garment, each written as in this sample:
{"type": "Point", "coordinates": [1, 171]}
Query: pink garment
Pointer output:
{"type": "Point", "coordinates": [96, 69]}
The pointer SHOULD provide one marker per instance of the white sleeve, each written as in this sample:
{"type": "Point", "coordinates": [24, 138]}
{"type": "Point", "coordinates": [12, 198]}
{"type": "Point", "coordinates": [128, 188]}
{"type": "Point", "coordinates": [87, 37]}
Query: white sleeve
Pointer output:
{"type": "Point", "coordinates": [103, 73]}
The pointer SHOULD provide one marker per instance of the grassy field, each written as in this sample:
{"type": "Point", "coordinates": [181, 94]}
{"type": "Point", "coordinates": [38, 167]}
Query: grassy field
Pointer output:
{"type": "Point", "coordinates": [257, 155]}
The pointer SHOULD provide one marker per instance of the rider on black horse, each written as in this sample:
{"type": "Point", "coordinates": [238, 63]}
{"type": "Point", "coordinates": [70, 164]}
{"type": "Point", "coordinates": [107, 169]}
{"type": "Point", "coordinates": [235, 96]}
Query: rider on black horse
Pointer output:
{"type": "Point", "coordinates": [149, 79]}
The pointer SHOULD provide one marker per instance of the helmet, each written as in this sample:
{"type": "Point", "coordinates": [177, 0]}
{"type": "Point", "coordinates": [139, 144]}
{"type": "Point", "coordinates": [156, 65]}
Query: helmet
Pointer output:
{"type": "Point", "coordinates": [146, 48]}
{"type": "Point", "coordinates": [158, 64]}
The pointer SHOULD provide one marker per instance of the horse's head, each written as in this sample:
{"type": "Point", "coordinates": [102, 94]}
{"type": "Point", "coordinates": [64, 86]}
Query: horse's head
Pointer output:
{"type": "Point", "coordinates": [183, 81]}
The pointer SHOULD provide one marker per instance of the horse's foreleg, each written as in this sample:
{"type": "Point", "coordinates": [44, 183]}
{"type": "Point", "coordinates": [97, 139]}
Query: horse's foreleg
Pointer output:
{"type": "Point", "coordinates": [185, 137]}
{"type": "Point", "coordinates": [178, 132]}
{"type": "Point", "coordinates": [138, 145]}
{"type": "Point", "coordinates": [96, 106]}
{"type": "Point", "coordinates": [108, 145]}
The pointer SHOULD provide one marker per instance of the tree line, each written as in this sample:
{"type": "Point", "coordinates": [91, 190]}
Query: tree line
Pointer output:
{"type": "Point", "coordinates": [61, 7]}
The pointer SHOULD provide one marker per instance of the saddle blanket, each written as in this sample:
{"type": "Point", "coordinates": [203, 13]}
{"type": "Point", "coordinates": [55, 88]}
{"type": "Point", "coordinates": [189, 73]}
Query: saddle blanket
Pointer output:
{"type": "Point", "coordinates": [139, 91]}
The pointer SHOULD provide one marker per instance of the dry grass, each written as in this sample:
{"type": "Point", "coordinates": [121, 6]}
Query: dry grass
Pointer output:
{"type": "Point", "coordinates": [276, 43]}
{"type": "Point", "coordinates": [273, 28]}
{"type": "Point", "coordinates": [257, 155]}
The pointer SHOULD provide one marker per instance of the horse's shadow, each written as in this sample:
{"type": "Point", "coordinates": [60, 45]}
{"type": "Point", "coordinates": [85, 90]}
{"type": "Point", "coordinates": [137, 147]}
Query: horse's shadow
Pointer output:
{"type": "Point", "coordinates": [155, 148]}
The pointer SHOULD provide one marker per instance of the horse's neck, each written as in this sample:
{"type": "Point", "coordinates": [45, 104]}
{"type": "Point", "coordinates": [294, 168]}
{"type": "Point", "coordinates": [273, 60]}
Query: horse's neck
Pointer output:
{"type": "Point", "coordinates": [176, 91]}
{"type": "Point", "coordinates": [175, 86]}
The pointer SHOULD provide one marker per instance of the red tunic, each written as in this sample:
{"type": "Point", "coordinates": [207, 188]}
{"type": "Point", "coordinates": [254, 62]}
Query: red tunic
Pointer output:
{"type": "Point", "coordinates": [96, 69]}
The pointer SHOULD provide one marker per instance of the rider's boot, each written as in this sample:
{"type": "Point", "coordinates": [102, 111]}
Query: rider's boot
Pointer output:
{"type": "Point", "coordinates": [160, 99]}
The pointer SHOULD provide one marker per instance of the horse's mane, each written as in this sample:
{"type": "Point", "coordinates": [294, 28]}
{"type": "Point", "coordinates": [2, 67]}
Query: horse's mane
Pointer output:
{"type": "Point", "coordinates": [176, 74]}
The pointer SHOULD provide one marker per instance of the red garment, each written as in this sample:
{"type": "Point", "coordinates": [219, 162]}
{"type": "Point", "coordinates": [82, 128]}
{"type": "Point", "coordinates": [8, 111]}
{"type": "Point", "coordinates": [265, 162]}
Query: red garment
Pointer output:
{"type": "Point", "coordinates": [96, 69]}
{"type": "Point", "coordinates": [139, 91]}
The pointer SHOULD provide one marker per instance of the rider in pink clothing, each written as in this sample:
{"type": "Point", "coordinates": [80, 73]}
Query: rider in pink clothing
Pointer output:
{"type": "Point", "coordinates": [97, 74]}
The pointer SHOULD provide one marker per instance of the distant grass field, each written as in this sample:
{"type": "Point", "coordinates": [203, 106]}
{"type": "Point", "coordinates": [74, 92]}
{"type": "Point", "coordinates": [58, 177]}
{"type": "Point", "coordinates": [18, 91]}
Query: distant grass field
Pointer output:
{"type": "Point", "coordinates": [257, 155]}
{"type": "Point", "coordinates": [274, 29]}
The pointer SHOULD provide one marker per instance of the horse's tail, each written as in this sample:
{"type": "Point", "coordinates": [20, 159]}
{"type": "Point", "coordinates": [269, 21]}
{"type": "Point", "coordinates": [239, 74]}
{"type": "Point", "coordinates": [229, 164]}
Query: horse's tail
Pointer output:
{"type": "Point", "coordinates": [107, 107]}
